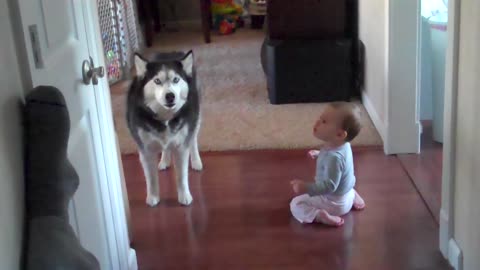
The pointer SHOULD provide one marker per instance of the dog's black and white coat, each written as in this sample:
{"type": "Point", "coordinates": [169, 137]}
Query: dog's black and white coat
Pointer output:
{"type": "Point", "coordinates": [163, 115]}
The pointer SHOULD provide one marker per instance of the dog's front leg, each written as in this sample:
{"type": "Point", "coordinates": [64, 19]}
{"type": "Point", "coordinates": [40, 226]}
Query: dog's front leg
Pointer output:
{"type": "Point", "coordinates": [164, 160]}
{"type": "Point", "coordinates": [149, 164]}
{"type": "Point", "coordinates": [182, 154]}
{"type": "Point", "coordinates": [195, 155]}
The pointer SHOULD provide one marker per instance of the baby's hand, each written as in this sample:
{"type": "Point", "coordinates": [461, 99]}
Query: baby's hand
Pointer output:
{"type": "Point", "coordinates": [313, 154]}
{"type": "Point", "coordinates": [299, 186]}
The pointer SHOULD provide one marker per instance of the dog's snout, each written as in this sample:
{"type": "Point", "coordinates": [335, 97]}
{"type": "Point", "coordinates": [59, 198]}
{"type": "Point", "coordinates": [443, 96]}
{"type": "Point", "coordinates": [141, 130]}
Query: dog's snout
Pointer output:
{"type": "Point", "coordinates": [170, 97]}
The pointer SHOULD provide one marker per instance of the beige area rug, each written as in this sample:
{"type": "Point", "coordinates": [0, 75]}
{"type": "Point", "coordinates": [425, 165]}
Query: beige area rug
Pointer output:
{"type": "Point", "coordinates": [235, 110]}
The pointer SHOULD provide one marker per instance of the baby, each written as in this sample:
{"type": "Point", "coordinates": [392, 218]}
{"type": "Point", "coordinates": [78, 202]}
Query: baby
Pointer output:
{"type": "Point", "coordinates": [331, 195]}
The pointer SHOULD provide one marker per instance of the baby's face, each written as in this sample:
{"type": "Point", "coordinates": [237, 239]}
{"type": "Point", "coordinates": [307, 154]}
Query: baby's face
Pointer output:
{"type": "Point", "coordinates": [327, 128]}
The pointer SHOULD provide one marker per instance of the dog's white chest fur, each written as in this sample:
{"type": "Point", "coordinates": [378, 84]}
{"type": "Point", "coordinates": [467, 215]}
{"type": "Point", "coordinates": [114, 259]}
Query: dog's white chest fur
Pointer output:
{"type": "Point", "coordinates": [159, 141]}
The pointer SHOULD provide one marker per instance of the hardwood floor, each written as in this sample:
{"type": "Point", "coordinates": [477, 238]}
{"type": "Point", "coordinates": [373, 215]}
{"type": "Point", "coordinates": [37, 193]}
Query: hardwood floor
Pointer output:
{"type": "Point", "coordinates": [425, 170]}
{"type": "Point", "coordinates": [240, 218]}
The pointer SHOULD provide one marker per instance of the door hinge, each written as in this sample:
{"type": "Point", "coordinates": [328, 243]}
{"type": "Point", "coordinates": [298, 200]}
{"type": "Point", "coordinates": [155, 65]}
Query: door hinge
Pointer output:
{"type": "Point", "coordinates": [36, 49]}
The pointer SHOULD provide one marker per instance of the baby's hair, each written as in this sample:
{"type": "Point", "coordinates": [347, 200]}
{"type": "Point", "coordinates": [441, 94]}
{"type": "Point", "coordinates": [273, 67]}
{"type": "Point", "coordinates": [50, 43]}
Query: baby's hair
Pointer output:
{"type": "Point", "coordinates": [352, 118]}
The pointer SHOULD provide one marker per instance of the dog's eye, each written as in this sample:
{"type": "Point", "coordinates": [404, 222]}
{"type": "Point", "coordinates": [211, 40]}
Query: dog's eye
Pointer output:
{"type": "Point", "coordinates": [157, 81]}
{"type": "Point", "coordinates": [176, 80]}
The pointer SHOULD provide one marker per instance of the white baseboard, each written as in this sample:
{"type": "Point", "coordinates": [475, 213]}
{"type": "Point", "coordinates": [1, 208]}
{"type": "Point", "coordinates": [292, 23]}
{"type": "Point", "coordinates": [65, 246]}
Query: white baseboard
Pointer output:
{"type": "Point", "coordinates": [455, 256]}
{"type": "Point", "coordinates": [132, 260]}
{"type": "Point", "coordinates": [377, 122]}
{"type": "Point", "coordinates": [444, 234]}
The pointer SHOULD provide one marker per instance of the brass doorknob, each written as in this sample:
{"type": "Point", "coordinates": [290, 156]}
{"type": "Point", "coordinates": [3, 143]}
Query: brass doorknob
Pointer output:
{"type": "Point", "coordinates": [91, 73]}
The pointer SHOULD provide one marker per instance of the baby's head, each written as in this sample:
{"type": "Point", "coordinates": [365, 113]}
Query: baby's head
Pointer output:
{"type": "Point", "coordinates": [339, 122]}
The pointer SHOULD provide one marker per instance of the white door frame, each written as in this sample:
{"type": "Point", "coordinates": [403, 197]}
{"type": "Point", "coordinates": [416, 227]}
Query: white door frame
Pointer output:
{"type": "Point", "coordinates": [450, 127]}
{"type": "Point", "coordinates": [121, 253]}
{"type": "Point", "coordinates": [402, 127]}
{"type": "Point", "coordinates": [127, 256]}
{"type": "Point", "coordinates": [403, 98]}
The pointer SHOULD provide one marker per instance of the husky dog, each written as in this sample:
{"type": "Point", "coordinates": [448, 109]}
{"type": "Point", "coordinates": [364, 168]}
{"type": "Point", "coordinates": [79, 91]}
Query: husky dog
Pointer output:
{"type": "Point", "coordinates": [163, 115]}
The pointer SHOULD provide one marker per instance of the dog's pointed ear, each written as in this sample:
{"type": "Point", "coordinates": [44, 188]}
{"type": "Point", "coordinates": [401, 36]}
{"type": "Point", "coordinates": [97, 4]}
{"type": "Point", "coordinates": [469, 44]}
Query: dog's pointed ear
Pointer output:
{"type": "Point", "coordinates": [187, 63]}
{"type": "Point", "coordinates": [140, 65]}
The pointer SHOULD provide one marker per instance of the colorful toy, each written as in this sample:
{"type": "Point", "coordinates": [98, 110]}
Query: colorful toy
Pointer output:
{"type": "Point", "coordinates": [223, 7]}
{"type": "Point", "coordinates": [226, 27]}
{"type": "Point", "coordinates": [227, 16]}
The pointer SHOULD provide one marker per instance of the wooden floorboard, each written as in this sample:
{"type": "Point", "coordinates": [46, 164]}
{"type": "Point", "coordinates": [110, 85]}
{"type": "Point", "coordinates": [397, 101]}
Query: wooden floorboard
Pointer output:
{"type": "Point", "coordinates": [425, 170]}
{"type": "Point", "coordinates": [240, 218]}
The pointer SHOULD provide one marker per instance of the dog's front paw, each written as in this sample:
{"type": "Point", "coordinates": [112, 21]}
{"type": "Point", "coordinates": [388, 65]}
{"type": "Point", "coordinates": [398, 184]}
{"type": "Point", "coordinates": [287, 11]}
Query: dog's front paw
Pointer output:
{"type": "Point", "coordinates": [163, 165]}
{"type": "Point", "coordinates": [185, 198]}
{"type": "Point", "coordinates": [197, 164]}
{"type": "Point", "coordinates": [152, 200]}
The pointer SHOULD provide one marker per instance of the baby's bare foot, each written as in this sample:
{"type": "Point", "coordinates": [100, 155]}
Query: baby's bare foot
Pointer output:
{"type": "Point", "coordinates": [358, 202]}
{"type": "Point", "coordinates": [313, 153]}
{"type": "Point", "coordinates": [327, 219]}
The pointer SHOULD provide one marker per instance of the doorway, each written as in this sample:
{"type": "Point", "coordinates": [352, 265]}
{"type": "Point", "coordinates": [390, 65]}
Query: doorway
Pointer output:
{"type": "Point", "coordinates": [425, 168]}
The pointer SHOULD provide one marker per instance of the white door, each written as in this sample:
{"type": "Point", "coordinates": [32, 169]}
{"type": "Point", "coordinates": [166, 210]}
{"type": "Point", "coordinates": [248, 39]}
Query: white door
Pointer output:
{"type": "Point", "coordinates": [59, 36]}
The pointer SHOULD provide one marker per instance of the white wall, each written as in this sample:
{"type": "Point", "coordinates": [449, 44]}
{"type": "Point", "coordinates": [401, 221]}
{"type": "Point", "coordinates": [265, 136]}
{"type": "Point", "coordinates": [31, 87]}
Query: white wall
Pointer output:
{"type": "Point", "coordinates": [389, 30]}
{"type": "Point", "coordinates": [372, 28]}
{"type": "Point", "coordinates": [373, 25]}
{"type": "Point", "coordinates": [425, 73]}
{"type": "Point", "coordinates": [467, 169]}
{"type": "Point", "coordinates": [11, 151]}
